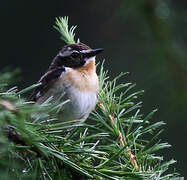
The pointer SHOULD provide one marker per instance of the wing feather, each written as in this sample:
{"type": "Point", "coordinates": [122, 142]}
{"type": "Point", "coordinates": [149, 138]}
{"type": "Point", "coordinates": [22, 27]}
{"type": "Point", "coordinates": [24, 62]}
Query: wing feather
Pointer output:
{"type": "Point", "coordinates": [46, 80]}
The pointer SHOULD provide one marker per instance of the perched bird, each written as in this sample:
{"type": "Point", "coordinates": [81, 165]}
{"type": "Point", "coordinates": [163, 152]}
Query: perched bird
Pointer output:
{"type": "Point", "coordinates": [72, 73]}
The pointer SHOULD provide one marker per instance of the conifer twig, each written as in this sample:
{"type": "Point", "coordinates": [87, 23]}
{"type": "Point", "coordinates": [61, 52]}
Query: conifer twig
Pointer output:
{"type": "Point", "coordinates": [131, 155]}
{"type": "Point", "coordinates": [67, 35]}
{"type": "Point", "coordinates": [7, 105]}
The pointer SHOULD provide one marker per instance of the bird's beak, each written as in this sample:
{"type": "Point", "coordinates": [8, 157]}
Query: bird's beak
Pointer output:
{"type": "Point", "coordinates": [92, 52]}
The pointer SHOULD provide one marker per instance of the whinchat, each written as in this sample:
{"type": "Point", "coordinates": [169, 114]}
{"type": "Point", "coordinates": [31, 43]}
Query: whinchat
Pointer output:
{"type": "Point", "coordinates": [72, 73]}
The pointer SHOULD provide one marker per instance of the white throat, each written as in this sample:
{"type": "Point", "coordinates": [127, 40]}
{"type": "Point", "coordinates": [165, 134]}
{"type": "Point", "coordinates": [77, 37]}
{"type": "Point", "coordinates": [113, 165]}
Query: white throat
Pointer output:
{"type": "Point", "coordinates": [89, 59]}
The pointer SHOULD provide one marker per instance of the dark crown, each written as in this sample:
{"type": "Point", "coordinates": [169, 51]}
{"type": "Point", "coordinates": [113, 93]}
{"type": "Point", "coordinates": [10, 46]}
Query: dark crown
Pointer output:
{"type": "Point", "coordinates": [77, 47]}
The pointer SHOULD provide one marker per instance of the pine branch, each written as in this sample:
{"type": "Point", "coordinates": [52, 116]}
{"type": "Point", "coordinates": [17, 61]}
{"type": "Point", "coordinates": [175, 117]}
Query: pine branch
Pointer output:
{"type": "Point", "coordinates": [67, 35]}
{"type": "Point", "coordinates": [91, 150]}
{"type": "Point", "coordinates": [112, 144]}
{"type": "Point", "coordinates": [131, 156]}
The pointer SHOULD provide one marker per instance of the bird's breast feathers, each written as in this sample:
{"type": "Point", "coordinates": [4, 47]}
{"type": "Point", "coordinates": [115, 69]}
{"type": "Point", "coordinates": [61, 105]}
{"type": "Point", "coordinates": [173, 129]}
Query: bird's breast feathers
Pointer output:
{"type": "Point", "coordinates": [80, 86]}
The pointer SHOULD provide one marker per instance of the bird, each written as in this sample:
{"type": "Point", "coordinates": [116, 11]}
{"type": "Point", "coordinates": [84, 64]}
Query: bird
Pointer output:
{"type": "Point", "coordinates": [72, 75]}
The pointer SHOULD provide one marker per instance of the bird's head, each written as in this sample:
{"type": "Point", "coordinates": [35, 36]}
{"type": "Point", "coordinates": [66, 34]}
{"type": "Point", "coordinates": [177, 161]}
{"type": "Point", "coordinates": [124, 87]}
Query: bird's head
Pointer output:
{"type": "Point", "coordinates": [76, 55]}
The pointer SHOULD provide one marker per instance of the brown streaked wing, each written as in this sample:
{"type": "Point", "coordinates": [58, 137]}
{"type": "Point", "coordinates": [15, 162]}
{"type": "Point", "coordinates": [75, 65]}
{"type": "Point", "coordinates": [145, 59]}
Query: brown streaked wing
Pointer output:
{"type": "Point", "coordinates": [48, 78]}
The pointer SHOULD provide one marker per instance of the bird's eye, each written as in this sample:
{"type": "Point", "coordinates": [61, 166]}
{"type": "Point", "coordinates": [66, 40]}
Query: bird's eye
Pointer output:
{"type": "Point", "coordinates": [75, 55]}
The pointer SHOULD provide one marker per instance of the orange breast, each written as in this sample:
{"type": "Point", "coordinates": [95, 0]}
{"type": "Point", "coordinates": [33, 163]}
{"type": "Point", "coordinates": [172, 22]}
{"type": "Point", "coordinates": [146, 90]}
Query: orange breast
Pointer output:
{"type": "Point", "coordinates": [84, 78]}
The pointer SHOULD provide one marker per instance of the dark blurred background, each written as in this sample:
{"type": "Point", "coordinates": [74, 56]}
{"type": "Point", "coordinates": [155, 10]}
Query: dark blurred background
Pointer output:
{"type": "Point", "coordinates": [146, 38]}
